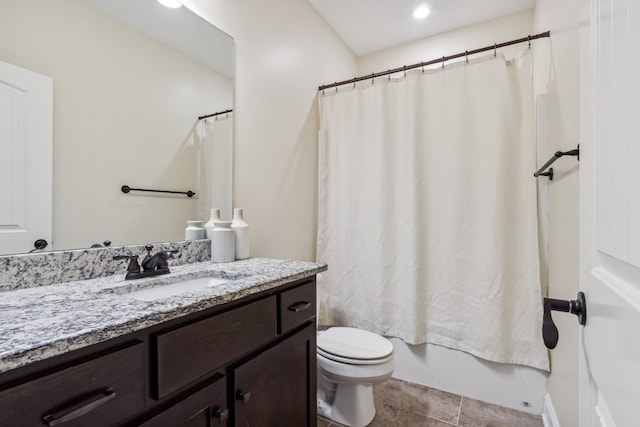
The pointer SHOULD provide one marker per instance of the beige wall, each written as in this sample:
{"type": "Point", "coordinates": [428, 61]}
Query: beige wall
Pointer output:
{"type": "Point", "coordinates": [124, 108]}
{"type": "Point", "coordinates": [475, 36]}
{"type": "Point", "coordinates": [284, 51]}
{"type": "Point", "coordinates": [562, 19]}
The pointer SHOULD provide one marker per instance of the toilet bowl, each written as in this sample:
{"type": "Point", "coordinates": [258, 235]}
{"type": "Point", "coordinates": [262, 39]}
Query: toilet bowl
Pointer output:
{"type": "Point", "coordinates": [350, 362]}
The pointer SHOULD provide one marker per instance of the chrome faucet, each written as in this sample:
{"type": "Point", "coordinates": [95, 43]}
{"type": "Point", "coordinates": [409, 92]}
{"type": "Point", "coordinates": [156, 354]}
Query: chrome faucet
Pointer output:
{"type": "Point", "coordinates": [152, 265]}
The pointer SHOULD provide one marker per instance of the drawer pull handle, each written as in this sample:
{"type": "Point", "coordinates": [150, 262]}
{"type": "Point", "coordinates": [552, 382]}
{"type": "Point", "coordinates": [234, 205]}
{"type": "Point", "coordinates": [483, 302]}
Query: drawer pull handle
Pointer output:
{"type": "Point", "coordinates": [221, 415]}
{"type": "Point", "coordinates": [68, 414]}
{"type": "Point", "coordinates": [299, 306]}
{"type": "Point", "coordinates": [245, 397]}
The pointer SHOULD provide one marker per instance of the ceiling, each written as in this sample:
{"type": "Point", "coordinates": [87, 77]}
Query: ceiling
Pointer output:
{"type": "Point", "coordinates": [367, 26]}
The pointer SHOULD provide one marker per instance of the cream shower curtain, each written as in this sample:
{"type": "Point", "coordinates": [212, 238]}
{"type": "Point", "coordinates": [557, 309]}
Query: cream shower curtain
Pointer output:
{"type": "Point", "coordinates": [427, 209]}
{"type": "Point", "coordinates": [214, 164]}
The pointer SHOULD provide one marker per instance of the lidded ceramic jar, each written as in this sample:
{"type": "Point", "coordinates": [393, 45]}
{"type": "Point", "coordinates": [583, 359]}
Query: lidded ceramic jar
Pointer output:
{"type": "Point", "coordinates": [194, 231]}
{"type": "Point", "coordinates": [223, 248]}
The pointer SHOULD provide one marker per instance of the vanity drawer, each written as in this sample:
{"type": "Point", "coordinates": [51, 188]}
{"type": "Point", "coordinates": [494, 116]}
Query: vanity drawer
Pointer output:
{"type": "Point", "coordinates": [297, 305]}
{"type": "Point", "coordinates": [99, 392]}
{"type": "Point", "coordinates": [190, 352]}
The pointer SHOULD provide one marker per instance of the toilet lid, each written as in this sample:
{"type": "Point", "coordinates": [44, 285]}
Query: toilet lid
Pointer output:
{"type": "Point", "coordinates": [352, 343]}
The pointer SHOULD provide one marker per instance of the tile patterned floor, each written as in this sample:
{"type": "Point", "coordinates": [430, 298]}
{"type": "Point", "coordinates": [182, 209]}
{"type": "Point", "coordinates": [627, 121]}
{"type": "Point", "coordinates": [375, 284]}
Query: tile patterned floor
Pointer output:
{"type": "Point", "coordinates": [403, 404]}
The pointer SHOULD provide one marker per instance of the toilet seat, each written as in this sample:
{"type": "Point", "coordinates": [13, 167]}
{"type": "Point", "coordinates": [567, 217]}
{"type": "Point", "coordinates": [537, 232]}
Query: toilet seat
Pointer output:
{"type": "Point", "coordinates": [341, 359]}
{"type": "Point", "coordinates": [354, 346]}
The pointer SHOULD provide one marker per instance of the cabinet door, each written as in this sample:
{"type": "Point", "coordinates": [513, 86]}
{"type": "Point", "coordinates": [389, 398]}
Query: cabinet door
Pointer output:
{"type": "Point", "coordinates": [204, 408]}
{"type": "Point", "coordinates": [278, 387]}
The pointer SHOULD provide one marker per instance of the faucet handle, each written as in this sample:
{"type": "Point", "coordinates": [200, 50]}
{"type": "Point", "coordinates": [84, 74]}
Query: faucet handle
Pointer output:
{"type": "Point", "coordinates": [133, 267]}
{"type": "Point", "coordinates": [149, 248]}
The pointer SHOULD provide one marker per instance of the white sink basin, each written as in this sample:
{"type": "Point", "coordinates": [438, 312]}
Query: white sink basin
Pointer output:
{"type": "Point", "coordinates": [168, 290]}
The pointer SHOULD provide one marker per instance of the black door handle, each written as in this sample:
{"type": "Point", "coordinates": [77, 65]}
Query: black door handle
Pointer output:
{"type": "Point", "coordinates": [549, 330]}
{"type": "Point", "coordinates": [39, 245]}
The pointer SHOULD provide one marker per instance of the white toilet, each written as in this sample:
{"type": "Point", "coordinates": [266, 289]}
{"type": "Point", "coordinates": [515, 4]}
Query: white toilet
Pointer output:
{"type": "Point", "coordinates": [350, 362]}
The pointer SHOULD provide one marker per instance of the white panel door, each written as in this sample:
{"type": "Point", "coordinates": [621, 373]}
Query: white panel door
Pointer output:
{"type": "Point", "coordinates": [610, 213]}
{"type": "Point", "coordinates": [26, 114]}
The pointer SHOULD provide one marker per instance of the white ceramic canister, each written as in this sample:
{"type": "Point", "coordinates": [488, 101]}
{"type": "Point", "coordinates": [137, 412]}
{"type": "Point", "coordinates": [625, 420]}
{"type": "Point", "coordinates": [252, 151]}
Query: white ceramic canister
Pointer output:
{"type": "Point", "coordinates": [223, 242]}
{"type": "Point", "coordinates": [241, 230]}
{"type": "Point", "coordinates": [194, 230]}
{"type": "Point", "coordinates": [208, 227]}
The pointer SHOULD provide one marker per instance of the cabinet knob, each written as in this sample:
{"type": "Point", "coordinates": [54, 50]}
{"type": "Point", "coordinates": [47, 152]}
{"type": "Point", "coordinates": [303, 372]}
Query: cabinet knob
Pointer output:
{"type": "Point", "coordinates": [221, 415]}
{"type": "Point", "coordinates": [245, 397]}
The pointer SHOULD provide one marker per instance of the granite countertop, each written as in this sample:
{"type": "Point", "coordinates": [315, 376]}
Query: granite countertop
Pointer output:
{"type": "Point", "coordinates": [42, 322]}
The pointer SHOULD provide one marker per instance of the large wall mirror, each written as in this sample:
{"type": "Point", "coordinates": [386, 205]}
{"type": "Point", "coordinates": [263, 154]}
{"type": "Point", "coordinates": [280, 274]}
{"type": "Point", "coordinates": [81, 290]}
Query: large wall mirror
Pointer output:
{"type": "Point", "coordinates": [131, 78]}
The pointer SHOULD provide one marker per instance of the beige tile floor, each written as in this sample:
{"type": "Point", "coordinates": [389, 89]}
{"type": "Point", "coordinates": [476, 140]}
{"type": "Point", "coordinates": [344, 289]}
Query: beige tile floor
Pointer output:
{"type": "Point", "coordinates": [403, 404]}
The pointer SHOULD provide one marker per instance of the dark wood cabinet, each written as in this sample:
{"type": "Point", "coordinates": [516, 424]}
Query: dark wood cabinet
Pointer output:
{"type": "Point", "coordinates": [186, 353]}
{"type": "Point", "coordinates": [277, 387]}
{"type": "Point", "coordinates": [251, 362]}
{"type": "Point", "coordinates": [99, 391]}
{"type": "Point", "coordinates": [204, 408]}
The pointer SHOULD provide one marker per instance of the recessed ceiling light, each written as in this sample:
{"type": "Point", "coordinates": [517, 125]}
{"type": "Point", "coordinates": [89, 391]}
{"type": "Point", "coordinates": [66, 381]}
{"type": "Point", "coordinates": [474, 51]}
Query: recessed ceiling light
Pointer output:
{"type": "Point", "coordinates": [173, 4]}
{"type": "Point", "coordinates": [421, 11]}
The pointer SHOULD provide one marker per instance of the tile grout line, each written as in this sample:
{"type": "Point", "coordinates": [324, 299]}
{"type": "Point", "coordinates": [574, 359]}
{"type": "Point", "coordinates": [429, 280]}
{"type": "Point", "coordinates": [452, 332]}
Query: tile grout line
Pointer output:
{"type": "Point", "coordinates": [459, 411]}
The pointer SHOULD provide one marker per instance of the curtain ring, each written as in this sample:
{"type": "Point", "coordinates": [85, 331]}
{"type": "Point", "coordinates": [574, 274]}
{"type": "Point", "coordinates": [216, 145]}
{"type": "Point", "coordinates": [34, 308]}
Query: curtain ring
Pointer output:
{"type": "Point", "coordinates": [404, 68]}
{"type": "Point", "coordinates": [336, 86]}
{"type": "Point", "coordinates": [466, 56]}
{"type": "Point", "coordinates": [389, 75]}
{"type": "Point", "coordinates": [372, 78]}
{"type": "Point", "coordinates": [443, 62]}
{"type": "Point", "coordinates": [529, 39]}
{"type": "Point", "coordinates": [495, 46]}
{"type": "Point", "coordinates": [422, 63]}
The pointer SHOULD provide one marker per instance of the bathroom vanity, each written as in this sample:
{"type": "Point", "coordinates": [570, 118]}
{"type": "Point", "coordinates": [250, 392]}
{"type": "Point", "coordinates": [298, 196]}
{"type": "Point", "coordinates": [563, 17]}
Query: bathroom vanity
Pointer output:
{"type": "Point", "coordinates": [89, 353]}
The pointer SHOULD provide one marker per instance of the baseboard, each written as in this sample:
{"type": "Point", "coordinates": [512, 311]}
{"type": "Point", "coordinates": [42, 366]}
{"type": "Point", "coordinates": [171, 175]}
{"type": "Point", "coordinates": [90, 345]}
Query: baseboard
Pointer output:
{"type": "Point", "coordinates": [549, 417]}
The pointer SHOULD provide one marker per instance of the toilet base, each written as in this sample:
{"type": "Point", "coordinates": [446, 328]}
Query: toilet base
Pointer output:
{"type": "Point", "coordinates": [352, 405]}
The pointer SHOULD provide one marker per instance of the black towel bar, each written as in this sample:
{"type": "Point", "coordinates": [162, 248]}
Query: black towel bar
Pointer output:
{"type": "Point", "coordinates": [553, 158]}
{"type": "Point", "coordinates": [126, 189]}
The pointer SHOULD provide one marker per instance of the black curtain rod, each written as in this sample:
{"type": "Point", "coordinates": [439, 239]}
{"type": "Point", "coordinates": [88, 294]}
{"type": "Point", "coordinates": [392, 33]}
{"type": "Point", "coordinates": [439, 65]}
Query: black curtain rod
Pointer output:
{"type": "Point", "coordinates": [435, 61]}
{"type": "Point", "coordinates": [219, 113]}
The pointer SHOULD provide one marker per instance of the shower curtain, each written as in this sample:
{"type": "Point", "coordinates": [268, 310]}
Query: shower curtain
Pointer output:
{"type": "Point", "coordinates": [427, 209]}
{"type": "Point", "coordinates": [214, 165]}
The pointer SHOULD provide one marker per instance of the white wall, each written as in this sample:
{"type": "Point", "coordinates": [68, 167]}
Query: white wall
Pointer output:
{"type": "Point", "coordinates": [562, 19]}
{"type": "Point", "coordinates": [124, 108]}
{"type": "Point", "coordinates": [435, 366]}
{"type": "Point", "coordinates": [284, 51]}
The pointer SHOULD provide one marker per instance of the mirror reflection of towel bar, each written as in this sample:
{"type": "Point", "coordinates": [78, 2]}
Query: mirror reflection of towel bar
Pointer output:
{"type": "Point", "coordinates": [553, 158]}
{"type": "Point", "coordinates": [125, 189]}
